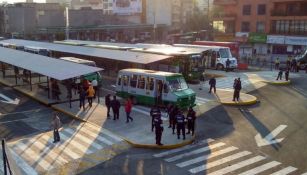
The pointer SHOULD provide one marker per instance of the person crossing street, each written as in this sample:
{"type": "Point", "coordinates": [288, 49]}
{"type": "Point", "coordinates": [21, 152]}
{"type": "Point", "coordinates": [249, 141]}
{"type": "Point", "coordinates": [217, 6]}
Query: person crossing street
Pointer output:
{"type": "Point", "coordinates": [212, 83]}
{"type": "Point", "coordinates": [56, 125]}
{"type": "Point", "coordinates": [128, 108]}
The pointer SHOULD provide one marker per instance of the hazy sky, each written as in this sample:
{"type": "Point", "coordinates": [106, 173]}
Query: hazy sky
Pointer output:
{"type": "Point", "coordinates": [13, 1]}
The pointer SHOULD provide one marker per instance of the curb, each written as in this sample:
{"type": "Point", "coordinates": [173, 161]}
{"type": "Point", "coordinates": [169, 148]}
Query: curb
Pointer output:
{"type": "Point", "coordinates": [152, 146]}
{"type": "Point", "coordinates": [278, 83]}
{"type": "Point", "coordinates": [240, 103]}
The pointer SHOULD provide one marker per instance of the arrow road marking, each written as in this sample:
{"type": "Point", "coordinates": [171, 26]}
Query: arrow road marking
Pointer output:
{"type": "Point", "coordinates": [9, 100]}
{"type": "Point", "coordinates": [270, 138]}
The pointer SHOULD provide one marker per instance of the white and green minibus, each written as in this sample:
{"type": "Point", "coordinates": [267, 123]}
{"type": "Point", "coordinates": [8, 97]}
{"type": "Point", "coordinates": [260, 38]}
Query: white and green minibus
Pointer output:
{"type": "Point", "coordinates": [151, 87]}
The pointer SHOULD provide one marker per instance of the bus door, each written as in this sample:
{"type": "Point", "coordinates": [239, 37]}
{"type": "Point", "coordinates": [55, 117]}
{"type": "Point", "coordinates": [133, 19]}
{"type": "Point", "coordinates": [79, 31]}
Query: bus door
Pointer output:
{"type": "Point", "coordinates": [213, 59]}
{"type": "Point", "coordinates": [150, 87]}
{"type": "Point", "coordinates": [159, 91]}
{"type": "Point", "coordinates": [165, 91]}
{"type": "Point", "coordinates": [125, 83]}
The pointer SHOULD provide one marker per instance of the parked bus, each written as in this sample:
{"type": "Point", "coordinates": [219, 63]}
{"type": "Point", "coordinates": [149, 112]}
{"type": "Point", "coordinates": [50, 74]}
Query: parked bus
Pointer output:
{"type": "Point", "coordinates": [90, 76]}
{"type": "Point", "coordinates": [233, 46]}
{"type": "Point", "coordinates": [37, 50]}
{"type": "Point", "coordinates": [150, 87]}
{"type": "Point", "coordinates": [218, 57]}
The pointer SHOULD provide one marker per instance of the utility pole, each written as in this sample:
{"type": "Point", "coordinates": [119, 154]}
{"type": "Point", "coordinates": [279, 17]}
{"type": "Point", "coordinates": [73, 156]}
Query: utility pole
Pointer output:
{"type": "Point", "coordinates": [155, 25]}
{"type": "Point", "coordinates": [67, 23]}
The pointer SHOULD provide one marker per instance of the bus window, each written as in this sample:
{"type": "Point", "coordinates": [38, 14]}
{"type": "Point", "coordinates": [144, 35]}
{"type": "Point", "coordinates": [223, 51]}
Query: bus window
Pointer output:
{"type": "Point", "coordinates": [119, 80]}
{"type": "Point", "coordinates": [133, 81]}
{"type": "Point", "coordinates": [141, 82]}
{"type": "Point", "coordinates": [150, 83]}
{"type": "Point", "coordinates": [125, 80]}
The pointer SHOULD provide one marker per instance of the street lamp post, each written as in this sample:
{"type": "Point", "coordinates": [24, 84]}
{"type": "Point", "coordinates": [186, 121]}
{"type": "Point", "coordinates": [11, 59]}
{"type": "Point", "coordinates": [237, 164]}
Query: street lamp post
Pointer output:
{"type": "Point", "coordinates": [67, 23]}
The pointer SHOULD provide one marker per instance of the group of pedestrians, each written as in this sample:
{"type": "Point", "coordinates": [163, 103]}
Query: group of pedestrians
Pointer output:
{"type": "Point", "coordinates": [177, 120]}
{"type": "Point", "coordinates": [87, 91]}
{"type": "Point", "coordinates": [115, 105]}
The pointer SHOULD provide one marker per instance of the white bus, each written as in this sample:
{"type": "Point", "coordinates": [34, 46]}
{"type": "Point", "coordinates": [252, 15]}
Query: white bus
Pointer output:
{"type": "Point", "coordinates": [218, 58]}
{"type": "Point", "coordinates": [90, 76]}
{"type": "Point", "coordinates": [154, 87]}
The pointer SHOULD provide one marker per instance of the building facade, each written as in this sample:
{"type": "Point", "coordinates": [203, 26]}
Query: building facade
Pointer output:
{"type": "Point", "coordinates": [262, 26]}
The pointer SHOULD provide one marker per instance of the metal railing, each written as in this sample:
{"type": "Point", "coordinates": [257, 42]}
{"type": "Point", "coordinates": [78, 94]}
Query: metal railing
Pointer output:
{"type": "Point", "coordinates": [6, 163]}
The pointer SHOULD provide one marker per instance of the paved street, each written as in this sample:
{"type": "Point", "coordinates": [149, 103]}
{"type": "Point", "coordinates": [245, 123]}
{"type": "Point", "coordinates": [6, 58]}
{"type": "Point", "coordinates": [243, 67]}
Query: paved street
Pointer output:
{"type": "Point", "coordinates": [267, 138]}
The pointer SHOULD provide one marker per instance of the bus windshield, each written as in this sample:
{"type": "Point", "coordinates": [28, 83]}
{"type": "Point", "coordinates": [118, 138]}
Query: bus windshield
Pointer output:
{"type": "Point", "coordinates": [177, 84]}
{"type": "Point", "coordinates": [224, 53]}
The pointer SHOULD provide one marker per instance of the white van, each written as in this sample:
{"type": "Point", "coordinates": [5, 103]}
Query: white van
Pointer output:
{"type": "Point", "coordinates": [151, 87]}
{"type": "Point", "coordinates": [219, 57]}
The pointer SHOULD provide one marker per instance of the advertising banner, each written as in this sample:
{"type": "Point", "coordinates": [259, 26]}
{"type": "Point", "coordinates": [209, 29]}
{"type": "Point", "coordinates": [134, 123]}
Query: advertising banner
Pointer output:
{"type": "Point", "coordinates": [293, 40]}
{"type": "Point", "coordinates": [127, 6]}
{"type": "Point", "coordinates": [275, 39]}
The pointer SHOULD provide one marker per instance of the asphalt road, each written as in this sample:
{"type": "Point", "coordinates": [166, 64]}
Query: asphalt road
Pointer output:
{"type": "Point", "coordinates": [282, 112]}
{"type": "Point", "coordinates": [25, 118]}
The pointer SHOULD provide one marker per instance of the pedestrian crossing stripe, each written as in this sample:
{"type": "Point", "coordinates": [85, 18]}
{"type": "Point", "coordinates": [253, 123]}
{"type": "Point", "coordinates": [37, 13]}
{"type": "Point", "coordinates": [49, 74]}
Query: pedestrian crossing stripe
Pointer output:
{"type": "Point", "coordinates": [219, 162]}
{"type": "Point", "coordinates": [200, 150]}
{"type": "Point", "coordinates": [261, 168]}
{"type": "Point", "coordinates": [166, 153]}
{"type": "Point", "coordinates": [285, 171]}
{"type": "Point", "coordinates": [206, 157]}
{"type": "Point", "coordinates": [42, 154]}
{"type": "Point", "coordinates": [192, 155]}
{"type": "Point", "coordinates": [237, 165]}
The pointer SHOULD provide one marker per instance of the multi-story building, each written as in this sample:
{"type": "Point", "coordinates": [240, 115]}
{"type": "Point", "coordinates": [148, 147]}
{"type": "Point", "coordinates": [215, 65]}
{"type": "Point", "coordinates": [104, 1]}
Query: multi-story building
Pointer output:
{"type": "Point", "coordinates": [262, 26]}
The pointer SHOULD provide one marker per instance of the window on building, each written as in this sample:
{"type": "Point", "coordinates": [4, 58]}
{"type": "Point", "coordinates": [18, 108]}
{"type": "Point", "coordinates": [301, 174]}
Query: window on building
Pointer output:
{"type": "Point", "coordinates": [260, 27]}
{"type": "Point", "coordinates": [261, 10]}
{"type": "Point", "coordinates": [247, 9]}
{"type": "Point", "coordinates": [245, 27]}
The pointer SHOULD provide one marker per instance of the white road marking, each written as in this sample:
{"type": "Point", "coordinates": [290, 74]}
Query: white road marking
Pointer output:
{"type": "Point", "coordinates": [166, 153]}
{"type": "Point", "coordinates": [237, 166]}
{"type": "Point", "coordinates": [22, 164]}
{"type": "Point", "coordinates": [261, 168]}
{"type": "Point", "coordinates": [197, 151]}
{"type": "Point", "coordinates": [285, 171]}
{"type": "Point", "coordinates": [108, 133]}
{"type": "Point", "coordinates": [95, 136]}
{"type": "Point", "coordinates": [206, 157]}
{"type": "Point", "coordinates": [219, 162]}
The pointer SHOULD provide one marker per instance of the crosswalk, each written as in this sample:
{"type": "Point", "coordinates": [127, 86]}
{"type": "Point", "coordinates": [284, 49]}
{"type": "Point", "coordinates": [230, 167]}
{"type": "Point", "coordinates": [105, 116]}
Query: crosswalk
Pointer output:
{"type": "Point", "coordinates": [40, 154]}
{"type": "Point", "coordinates": [217, 158]}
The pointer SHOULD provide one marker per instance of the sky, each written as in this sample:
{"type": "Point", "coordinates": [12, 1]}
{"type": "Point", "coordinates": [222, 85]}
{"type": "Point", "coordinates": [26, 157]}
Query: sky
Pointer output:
{"type": "Point", "coordinates": [14, 1]}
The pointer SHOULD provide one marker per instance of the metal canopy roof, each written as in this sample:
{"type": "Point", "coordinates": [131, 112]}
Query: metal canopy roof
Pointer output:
{"type": "Point", "coordinates": [162, 49]}
{"type": "Point", "coordinates": [134, 57]}
{"type": "Point", "coordinates": [51, 67]}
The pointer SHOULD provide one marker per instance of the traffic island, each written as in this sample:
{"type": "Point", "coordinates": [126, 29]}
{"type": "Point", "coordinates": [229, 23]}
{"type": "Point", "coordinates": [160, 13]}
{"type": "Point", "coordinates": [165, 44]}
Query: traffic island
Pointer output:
{"type": "Point", "coordinates": [225, 97]}
{"type": "Point", "coordinates": [278, 82]}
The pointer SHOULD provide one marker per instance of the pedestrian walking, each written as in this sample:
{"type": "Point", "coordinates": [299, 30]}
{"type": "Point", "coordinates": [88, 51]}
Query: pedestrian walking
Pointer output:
{"type": "Point", "coordinates": [128, 108]}
{"type": "Point", "coordinates": [154, 112]}
{"type": "Point", "coordinates": [191, 117]}
{"type": "Point", "coordinates": [227, 65]}
{"type": "Point", "coordinates": [90, 94]}
{"type": "Point", "coordinates": [298, 65]}
{"type": "Point", "coordinates": [174, 121]}
{"type": "Point", "coordinates": [180, 122]}
{"type": "Point", "coordinates": [56, 125]}
{"type": "Point", "coordinates": [107, 102]}
{"type": "Point", "coordinates": [85, 84]}
{"type": "Point", "coordinates": [158, 125]}
{"type": "Point", "coordinates": [279, 76]}
{"type": "Point", "coordinates": [277, 62]}
{"type": "Point", "coordinates": [287, 75]}
{"type": "Point", "coordinates": [288, 62]}
{"type": "Point", "coordinates": [212, 83]}
{"type": "Point", "coordinates": [82, 96]}
{"type": "Point", "coordinates": [293, 65]}
{"type": "Point", "coordinates": [237, 89]}
{"type": "Point", "coordinates": [56, 89]}
{"type": "Point", "coordinates": [115, 105]}
{"type": "Point", "coordinates": [95, 86]}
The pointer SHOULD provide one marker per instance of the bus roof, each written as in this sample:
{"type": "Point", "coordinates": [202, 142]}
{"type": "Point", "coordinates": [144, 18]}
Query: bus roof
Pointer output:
{"type": "Point", "coordinates": [200, 46]}
{"type": "Point", "coordinates": [47, 66]}
{"type": "Point", "coordinates": [220, 42]}
{"type": "Point", "coordinates": [76, 60]}
{"type": "Point", "coordinates": [128, 56]}
{"type": "Point", "coordinates": [150, 72]}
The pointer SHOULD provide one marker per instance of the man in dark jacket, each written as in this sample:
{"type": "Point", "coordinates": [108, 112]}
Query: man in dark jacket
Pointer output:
{"type": "Point", "coordinates": [212, 83]}
{"type": "Point", "coordinates": [154, 113]}
{"type": "Point", "coordinates": [279, 76]}
{"type": "Point", "coordinates": [180, 122]}
{"type": "Point", "coordinates": [107, 101]}
{"type": "Point", "coordinates": [115, 105]}
{"type": "Point", "coordinates": [82, 96]}
{"type": "Point", "coordinates": [191, 116]}
{"type": "Point", "coordinates": [158, 124]}
{"type": "Point", "coordinates": [237, 89]}
{"type": "Point", "coordinates": [227, 65]}
{"type": "Point", "coordinates": [287, 75]}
